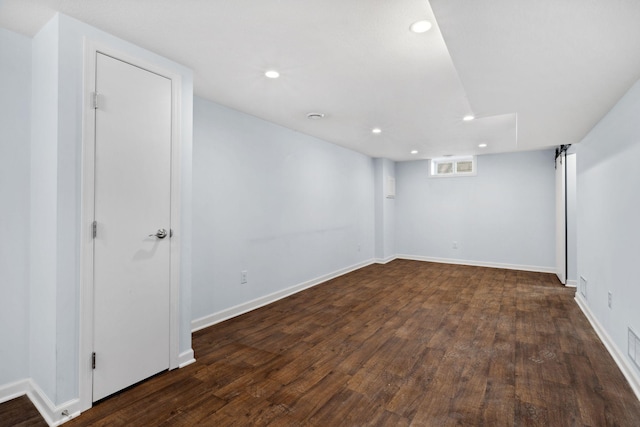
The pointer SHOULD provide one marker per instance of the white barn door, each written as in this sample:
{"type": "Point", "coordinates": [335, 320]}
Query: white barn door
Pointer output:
{"type": "Point", "coordinates": [561, 220]}
{"type": "Point", "coordinates": [133, 220]}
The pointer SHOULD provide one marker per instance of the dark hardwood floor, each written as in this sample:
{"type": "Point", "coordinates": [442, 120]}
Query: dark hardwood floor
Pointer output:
{"type": "Point", "coordinates": [407, 343]}
{"type": "Point", "coordinates": [20, 412]}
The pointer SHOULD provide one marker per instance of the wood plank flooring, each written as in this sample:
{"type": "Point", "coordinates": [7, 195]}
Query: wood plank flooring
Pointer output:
{"type": "Point", "coordinates": [407, 343]}
{"type": "Point", "coordinates": [20, 412]}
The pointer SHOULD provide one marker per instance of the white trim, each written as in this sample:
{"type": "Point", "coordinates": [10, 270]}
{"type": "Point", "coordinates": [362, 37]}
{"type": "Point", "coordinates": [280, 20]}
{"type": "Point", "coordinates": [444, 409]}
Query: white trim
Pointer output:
{"type": "Point", "coordinates": [91, 48]}
{"type": "Point", "coordinates": [13, 390]}
{"type": "Point", "coordinates": [571, 284]}
{"type": "Point", "coordinates": [176, 216]}
{"type": "Point", "coordinates": [534, 268]}
{"type": "Point", "coordinates": [239, 309]}
{"type": "Point", "coordinates": [85, 346]}
{"type": "Point", "coordinates": [186, 358]}
{"type": "Point", "coordinates": [619, 357]}
{"type": "Point", "coordinates": [385, 260]}
{"type": "Point", "coordinates": [51, 413]}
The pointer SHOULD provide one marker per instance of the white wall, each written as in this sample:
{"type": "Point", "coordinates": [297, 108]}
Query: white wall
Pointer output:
{"type": "Point", "coordinates": [56, 169]}
{"type": "Point", "coordinates": [503, 216]}
{"type": "Point", "coordinates": [385, 246]}
{"type": "Point", "coordinates": [608, 226]}
{"type": "Point", "coordinates": [285, 207]}
{"type": "Point", "coordinates": [15, 104]}
{"type": "Point", "coordinates": [44, 213]}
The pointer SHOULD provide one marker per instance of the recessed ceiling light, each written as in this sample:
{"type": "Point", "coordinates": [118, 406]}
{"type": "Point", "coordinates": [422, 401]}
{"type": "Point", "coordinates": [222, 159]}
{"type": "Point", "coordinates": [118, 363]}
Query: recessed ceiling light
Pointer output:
{"type": "Point", "coordinates": [482, 145]}
{"type": "Point", "coordinates": [468, 117]}
{"type": "Point", "coordinates": [414, 151]}
{"type": "Point", "coordinates": [421, 26]}
{"type": "Point", "coordinates": [272, 74]}
{"type": "Point", "coordinates": [315, 116]}
{"type": "Point", "coordinates": [376, 130]}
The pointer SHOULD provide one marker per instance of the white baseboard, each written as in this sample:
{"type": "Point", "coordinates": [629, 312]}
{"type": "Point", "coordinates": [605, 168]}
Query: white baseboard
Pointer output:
{"type": "Point", "coordinates": [239, 309]}
{"type": "Point", "coordinates": [51, 413]}
{"type": "Point", "coordinates": [12, 390]}
{"type": "Point", "coordinates": [618, 356]}
{"type": "Point", "coordinates": [385, 260]}
{"type": "Point", "coordinates": [186, 358]}
{"type": "Point", "coordinates": [534, 268]}
{"type": "Point", "coordinates": [571, 284]}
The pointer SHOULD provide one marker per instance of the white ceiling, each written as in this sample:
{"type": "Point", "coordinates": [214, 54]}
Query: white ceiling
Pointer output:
{"type": "Point", "coordinates": [535, 73]}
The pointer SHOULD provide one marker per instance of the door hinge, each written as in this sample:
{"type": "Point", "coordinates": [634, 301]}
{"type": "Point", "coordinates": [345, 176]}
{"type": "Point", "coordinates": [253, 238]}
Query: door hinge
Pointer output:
{"type": "Point", "coordinates": [93, 360]}
{"type": "Point", "coordinates": [94, 229]}
{"type": "Point", "coordinates": [94, 99]}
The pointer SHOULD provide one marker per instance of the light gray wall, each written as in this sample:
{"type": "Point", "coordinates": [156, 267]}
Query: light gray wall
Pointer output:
{"type": "Point", "coordinates": [607, 217]}
{"type": "Point", "coordinates": [385, 248]}
{"type": "Point", "coordinates": [58, 51]}
{"type": "Point", "coordinates": [502, 216]}
{"type": "Point", "coordinates": [283, 206]}
{"type": "Point", "coordinates": [44, 212]}
{"type": "Point", "coordinates": [15, 104]}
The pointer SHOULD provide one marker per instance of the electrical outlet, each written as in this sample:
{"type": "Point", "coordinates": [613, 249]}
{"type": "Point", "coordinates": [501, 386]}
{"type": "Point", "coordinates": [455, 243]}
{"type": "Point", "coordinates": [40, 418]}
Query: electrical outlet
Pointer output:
{"type": "Point", "coordinates": [359, 247]}
{"type": "Point", "coordinates": [455, 245]}
{"type": "Point", "coordinates": [609, 299]}
{"type": "Point", "coordinates": [243, 277]}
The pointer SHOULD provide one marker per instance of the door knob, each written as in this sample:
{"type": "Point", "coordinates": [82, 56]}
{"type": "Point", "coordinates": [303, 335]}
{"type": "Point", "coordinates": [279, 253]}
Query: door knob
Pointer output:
{"type": "Point", "coordinates": [160, 234]}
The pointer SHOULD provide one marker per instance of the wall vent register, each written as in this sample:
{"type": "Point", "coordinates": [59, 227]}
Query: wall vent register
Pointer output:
{"type": "Point", "coordinates": [583, 287]}
{"type": "Point", "coordinates": [634, 348]}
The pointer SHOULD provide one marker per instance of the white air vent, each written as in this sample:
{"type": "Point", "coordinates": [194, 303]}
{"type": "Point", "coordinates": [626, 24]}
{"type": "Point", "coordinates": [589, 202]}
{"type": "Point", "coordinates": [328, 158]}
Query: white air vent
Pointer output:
{"type": "Point", "coordinates": [634, 348]}
{"type": "Point", "coordinates": [583, 287]}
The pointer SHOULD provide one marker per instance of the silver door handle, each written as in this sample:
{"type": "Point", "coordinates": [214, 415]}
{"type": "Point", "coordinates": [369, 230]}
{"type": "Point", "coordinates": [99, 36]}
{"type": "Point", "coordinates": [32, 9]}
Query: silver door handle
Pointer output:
{"type": "Point", "coordinates": [160, 234]}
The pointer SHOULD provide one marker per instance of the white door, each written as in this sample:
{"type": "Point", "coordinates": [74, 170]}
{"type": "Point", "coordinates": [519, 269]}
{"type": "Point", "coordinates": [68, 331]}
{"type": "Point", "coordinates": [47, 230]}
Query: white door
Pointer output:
{"type": "Point", "coordinates": [132, 202]}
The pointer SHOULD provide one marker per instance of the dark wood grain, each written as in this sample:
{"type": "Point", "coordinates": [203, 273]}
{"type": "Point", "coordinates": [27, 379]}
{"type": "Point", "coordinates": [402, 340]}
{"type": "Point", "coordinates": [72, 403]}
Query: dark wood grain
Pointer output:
{"type": "Point", "coordinates": [20, 412]}
{"type": "Point", "coordinates": [407, 343]}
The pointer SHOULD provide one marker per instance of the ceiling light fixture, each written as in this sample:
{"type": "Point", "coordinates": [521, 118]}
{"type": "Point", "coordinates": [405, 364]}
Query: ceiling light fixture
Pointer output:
{"type": "Point", "coordinates": [421, 26]}
{"type": "Point", "coordinates": [483, 145]}
{"type": "Point", "coordinates": [315, 116]}
{"type": "Point", "coordinates": [468, 117]}
{"type": "Point", "coordinates": [272, 74]}
{"type": "Point", "coordinates": [376, 130]}
{"type": "Point", "coordinates": [414, 151]}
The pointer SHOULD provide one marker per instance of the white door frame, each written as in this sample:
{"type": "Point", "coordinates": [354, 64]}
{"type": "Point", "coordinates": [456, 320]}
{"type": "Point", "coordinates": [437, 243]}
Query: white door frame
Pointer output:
{"type": "Point", "coordinates": [91, 49]}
